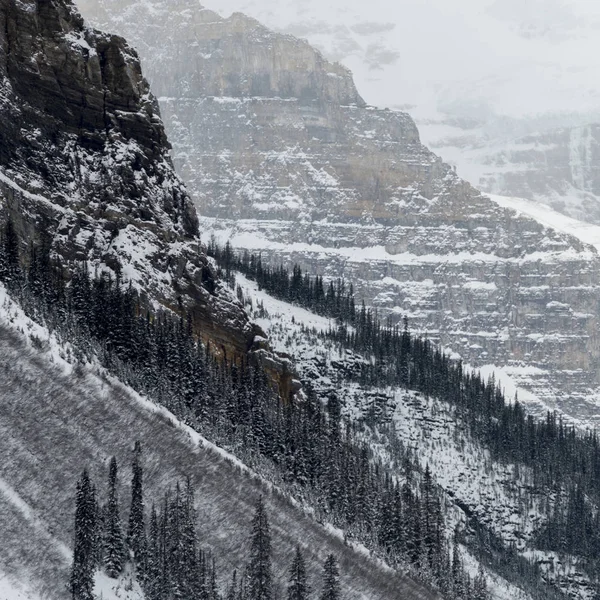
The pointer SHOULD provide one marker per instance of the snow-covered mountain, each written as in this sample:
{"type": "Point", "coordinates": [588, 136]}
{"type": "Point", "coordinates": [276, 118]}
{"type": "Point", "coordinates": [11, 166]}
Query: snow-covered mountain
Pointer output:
{"type": "Point", "coordinates": [468, 58]}
{"type": "Point", "coordinates": [281, 155]}
{"type": "Point", "coordinates": [505, 91]}
{"type": "Point", "coordinates": [86, 181]}
{"type": "Point", "coordinates": [57, 416]}
{"type": "Point", "coordinates": [477, 490]}
{"type": "Point", "coordinates": [84, 161]}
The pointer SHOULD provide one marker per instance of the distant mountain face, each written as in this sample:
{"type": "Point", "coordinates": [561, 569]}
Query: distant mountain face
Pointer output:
{"type": "Point", "coordinates": [498, 88]}
{"type": "Point", "coordinates": [85, 159]}
{"type": "Point", "coordinates": [313, 176]}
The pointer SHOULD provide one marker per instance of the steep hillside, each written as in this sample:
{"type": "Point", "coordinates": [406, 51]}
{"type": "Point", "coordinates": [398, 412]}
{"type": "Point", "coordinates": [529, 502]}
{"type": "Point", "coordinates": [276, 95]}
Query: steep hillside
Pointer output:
{"type": "Point", "coordinates": [482, 494]}
{"type": "Point", "coordinates": [83, 417]}
{"type": "Point", "coordinates": [84, 164]}
{"type": "Point", "coordinates": [311, 175]}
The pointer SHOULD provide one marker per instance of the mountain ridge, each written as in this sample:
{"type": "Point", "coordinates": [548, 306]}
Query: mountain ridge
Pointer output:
{"type": "Point", "coordinates": [85, 161]}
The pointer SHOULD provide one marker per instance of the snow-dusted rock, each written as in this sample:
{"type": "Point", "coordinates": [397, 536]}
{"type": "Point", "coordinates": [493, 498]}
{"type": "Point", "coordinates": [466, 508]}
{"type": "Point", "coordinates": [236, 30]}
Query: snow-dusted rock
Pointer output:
{"type": "Point", "coordinates": [84, 157]}
{"type": "Point", "coordinates": [348, 190]}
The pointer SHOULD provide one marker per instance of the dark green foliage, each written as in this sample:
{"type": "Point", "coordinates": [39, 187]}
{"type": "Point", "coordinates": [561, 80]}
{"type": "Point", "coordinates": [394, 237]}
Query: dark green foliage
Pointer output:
{"type": "Point", "coordinates": [558, 455]}
{"type": "Point", "coordinates": [10, 270]}
{"type": "Point", "coordinates": [331, 580]}
{"type": "Point", "coordinates": [298, 588]}
{"type": "Point", "coordinates": [136, 533]}
{"type": "Point", "coordinates": [113, 542]}
{"type": "Point", "coordinates": [307, 443]}
{"type": "Point", "coordinates": [154, 562]}
{"type": "Point", "coordinates": [334, 299]}
{"type": "Point", "coordinates": [84, 552]}
{"type": "Point", "coordinates": [260, 576]}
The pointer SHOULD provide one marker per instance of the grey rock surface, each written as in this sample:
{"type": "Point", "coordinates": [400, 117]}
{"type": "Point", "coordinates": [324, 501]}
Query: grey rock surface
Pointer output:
{"type": "Point", "coordinates": [347, 190]}
{"type": "Point", "coordinates": [84, 157]}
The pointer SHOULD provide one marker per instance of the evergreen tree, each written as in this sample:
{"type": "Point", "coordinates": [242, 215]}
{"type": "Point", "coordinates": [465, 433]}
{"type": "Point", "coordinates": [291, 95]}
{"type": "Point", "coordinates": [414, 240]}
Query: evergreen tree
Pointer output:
{"type": "Point", "coordinates": [136, 533]}
{"type": "Point", "coordinates": [480, 590]}
{"type": "Point", "coordinates": [114, 544]}
{"type": "Point", "coordinates": [233, 587]}
{"type": "Point", "coordinates": [459, 582]}
{"type": "Point", "coordinates": [331, 580]}
{"type": "Point", "coordinates": [298, 587]}
{"type": "Point", "coordinates": [259, 568]}
{"type": "Point", "coordinates": [84, 553]}
{"type": "Point", "coordinates": [9, 264]}
{"type": "Point", "coordinates": [152, 576]}
{"type": "Point", "coordinates": [188, 543]}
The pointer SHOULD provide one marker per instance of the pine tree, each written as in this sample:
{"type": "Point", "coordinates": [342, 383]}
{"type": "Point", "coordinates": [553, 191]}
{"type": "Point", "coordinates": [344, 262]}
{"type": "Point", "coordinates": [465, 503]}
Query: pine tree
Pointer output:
{"type": "Point", "coordinates": [84, 553]}
{"type": "Point", "coordinates": [458, 574]}
{"type": "Point", "coordinates": [136, 533]}
{"type": "Point", "coordinates": [298, 587]}
{"type": "Point", "coordinates": [331, 580]}
{"type": "Point", "coordinates": [188, 543]}
{"type": "Point", "coordinates": [153, 560]}
{"type": "Point", "coordinates": [259, 569]}
{"type": "Point", "coordinates": [233, 587]}
{"type": "Point", "coordinates": [114, 544]}
{"type": "Point", "coordinates": [480, 591]}
{"type": "Point", "coordinates": [10, 266]}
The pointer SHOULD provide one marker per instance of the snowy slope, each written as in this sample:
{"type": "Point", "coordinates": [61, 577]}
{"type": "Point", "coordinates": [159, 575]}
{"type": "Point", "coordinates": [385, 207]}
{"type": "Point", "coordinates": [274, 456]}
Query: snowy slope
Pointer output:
{"type": "Point", "coordinates": [10, 590]}
{"type": "Point", "coordinates": [475, 486]}
{"type": "Point", "coordinates": [55, 419]}
{"type": "Point", "coordinates": [588, 233]}
{"type": "Point", "coordinates": [347, 190]}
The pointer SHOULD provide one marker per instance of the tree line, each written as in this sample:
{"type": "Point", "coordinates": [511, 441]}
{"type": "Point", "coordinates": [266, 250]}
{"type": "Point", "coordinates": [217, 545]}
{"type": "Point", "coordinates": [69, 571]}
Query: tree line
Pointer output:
{"type": "Point", "coordinates": [334, 299]}
{"type": "Point", "coordinates": [165, 555]}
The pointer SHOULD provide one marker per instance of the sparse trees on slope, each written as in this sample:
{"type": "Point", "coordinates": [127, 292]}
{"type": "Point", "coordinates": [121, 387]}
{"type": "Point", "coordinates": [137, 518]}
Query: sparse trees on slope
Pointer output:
{"type": "Point", "coordinates": [331, 580]}
{"type": "Point", "coordinates": [114, 545]}
{"type": "Point", "coordinates": [298, 588]}
{"type": "Point", "coordinates": [84, 553]}
{"type": "Point", "coordinates": [260, 576]}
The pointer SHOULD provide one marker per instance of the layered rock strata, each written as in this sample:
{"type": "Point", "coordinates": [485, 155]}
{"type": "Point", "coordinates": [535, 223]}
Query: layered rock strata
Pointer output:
{"type": "Point", "coordinates": [314, 176]}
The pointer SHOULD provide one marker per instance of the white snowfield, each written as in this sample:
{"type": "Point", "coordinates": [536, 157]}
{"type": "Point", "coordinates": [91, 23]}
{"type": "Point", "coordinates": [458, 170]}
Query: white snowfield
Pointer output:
{"type": "Point", "coordinates": [55, 420]}
{"type": "Point", "coordinates": [547, 216]}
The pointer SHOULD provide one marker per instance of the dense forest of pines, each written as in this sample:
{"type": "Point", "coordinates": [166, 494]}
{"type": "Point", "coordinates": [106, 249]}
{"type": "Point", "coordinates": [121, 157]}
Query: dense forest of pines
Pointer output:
{"type": "Point", "coordinates": [167, 560]}
{"type": "Point", "coordinates": [562, 459]}
{"type": "Point", "coordinates": [316, 454]}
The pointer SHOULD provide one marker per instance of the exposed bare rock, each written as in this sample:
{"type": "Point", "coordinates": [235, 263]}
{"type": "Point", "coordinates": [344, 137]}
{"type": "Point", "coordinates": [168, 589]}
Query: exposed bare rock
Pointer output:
{"type": "Point", "coordinates": [84, 156]}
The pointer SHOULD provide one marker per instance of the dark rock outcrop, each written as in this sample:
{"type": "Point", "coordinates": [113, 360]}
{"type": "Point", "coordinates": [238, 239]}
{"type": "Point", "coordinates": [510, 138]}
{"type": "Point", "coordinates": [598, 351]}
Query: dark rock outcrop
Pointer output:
{"type": "Point", "coordinates": [84, 156]}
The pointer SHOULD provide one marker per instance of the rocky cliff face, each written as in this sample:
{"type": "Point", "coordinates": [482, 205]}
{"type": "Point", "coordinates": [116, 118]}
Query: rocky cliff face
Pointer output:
{"type": "Point", "coordinates": [84, 156]}
{"type": "Point", "coordinates": [560, 167]}
{"type": "Point", "coordinates": [348, 190]}
{"type": "Point", "coordinates": [221, 57]}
